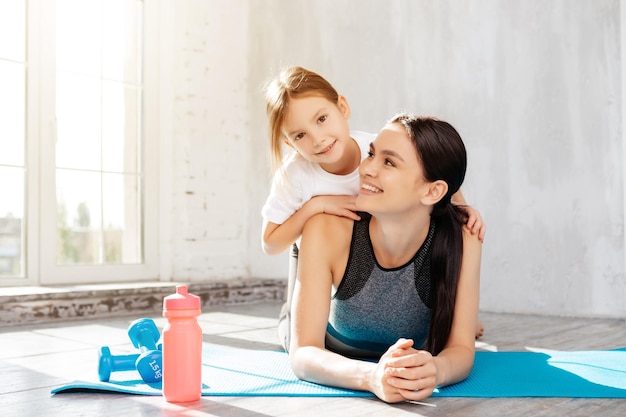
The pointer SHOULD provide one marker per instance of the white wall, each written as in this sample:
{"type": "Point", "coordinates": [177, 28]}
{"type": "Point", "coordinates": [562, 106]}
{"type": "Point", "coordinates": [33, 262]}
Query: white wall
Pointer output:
{"type": "Point", "coordinates": [534, 87]}
{"type": "Point", "coordinates": [206, 157]}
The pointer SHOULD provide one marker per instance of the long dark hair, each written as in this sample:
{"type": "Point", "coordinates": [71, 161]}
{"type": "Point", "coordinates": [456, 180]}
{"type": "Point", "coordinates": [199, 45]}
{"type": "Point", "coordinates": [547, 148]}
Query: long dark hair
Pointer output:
{"type": "Point", "coordinates": [442, 153]}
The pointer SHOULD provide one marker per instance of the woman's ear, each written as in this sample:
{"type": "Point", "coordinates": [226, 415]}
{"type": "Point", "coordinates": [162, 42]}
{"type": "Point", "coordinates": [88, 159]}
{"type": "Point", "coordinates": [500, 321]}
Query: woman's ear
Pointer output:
{"type": "Point", "coordinates": [436, 191]}
{"type": "Point", "coordinates": [344, 107]}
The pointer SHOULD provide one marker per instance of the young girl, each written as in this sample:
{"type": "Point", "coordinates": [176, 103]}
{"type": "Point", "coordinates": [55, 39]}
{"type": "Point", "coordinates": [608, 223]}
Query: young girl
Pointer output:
{"type": "Point", "coordinates": [404, 279]}
{"type": "Point", "coordinates": [307, 114]}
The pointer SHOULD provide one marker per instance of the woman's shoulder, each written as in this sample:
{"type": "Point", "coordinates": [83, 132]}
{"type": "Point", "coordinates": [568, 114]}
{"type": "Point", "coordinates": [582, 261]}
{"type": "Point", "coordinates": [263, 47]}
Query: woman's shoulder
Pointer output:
{"type": "Point", "coordinates": [468, 236]}
{"type": "Point", "coordinates": [471, 244]}
{"type": "Point", "coordinates": [324, 221]}
{"type": "Point", "coordinates": [327, 237]}
{"type": "Point", "coordinates": [328, 230]}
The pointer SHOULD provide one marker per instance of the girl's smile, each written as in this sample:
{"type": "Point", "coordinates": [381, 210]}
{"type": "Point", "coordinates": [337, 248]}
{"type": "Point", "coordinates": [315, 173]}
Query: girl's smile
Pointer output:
{"type": "Point", "coordinates": [327, 149]}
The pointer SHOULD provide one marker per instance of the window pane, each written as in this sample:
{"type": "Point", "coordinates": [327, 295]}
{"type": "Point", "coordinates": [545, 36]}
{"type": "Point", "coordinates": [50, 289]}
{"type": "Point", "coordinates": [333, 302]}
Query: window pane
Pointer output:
{"type": "Point", "coordinates": [98, 225]}
{"type": "Point", "coordinates": [12, 108]}
{"type": "Point", "coordinates": [12, 222]}
{"type": "Point", "coordinates": [78, 217]}
{"type": "Point", "coordinates": [122, 219]}
{"type": "Point", "coordinates": [78, 36]}
{"type": "Point", "coordinates": [78, 121]}
{"type": "Point", "coordinates": [121, 32]}
{"type": "Point", "coordinates": [120, 130]}
{"type": "Point", "coordinates": [12, 137]}
{"type": "Point", "coordinates": [13, 28]}
{"type": "Point", "coordinates": [98, 111]}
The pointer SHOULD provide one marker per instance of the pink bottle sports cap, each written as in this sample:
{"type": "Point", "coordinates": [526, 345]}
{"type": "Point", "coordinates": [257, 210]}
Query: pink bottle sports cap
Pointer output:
{"type": "Point", "coordinates": [182, 300]}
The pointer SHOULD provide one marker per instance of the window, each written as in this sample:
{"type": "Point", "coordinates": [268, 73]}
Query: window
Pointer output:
{"type": "Point", "coordinates": [79, 203]}
{"type": "Point", "coordinates": [13, 138]}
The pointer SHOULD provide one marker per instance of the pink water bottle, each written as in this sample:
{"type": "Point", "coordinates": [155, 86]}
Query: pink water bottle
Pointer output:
{"type": "Point", "coordinates": [182, 347]}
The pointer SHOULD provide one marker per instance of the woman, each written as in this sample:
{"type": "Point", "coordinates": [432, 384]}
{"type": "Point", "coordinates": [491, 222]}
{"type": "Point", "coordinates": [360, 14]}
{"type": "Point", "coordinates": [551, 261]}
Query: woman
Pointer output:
{"type": "Point", "coordinates": [404, 281]}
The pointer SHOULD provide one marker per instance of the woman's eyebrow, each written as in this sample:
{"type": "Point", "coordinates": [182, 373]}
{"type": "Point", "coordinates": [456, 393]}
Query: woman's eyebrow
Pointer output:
{"type": "Point", "coordinates": [394, 154]}
{"type": "Point", "coordinates": [387, 152]}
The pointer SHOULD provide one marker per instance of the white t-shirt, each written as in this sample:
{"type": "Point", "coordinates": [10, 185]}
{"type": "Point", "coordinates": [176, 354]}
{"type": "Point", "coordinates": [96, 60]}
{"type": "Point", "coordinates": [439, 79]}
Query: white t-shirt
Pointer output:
{"type": "Point", "coordinates": [299, 180]}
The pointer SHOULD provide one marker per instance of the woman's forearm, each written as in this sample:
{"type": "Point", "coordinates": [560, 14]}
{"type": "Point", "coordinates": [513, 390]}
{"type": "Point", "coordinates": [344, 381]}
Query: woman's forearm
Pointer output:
{"type": "Point", "coordinates": [321, 366]}
{"type": "Point", "coordinates": [454, 364]}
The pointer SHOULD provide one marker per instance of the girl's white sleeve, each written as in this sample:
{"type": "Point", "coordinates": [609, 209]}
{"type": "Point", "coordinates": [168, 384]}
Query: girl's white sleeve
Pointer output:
{"type": "Point", "coordinates": [287, 194]}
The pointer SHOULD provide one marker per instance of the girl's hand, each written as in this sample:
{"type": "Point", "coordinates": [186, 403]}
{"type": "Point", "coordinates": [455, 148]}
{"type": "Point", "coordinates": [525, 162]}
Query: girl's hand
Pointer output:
{"type": "Point", "coordinates": [339, 205]}
{"type": "Point", "coordinates": [475, 222]}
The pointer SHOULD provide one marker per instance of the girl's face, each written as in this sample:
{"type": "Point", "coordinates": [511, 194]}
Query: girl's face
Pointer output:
{"type": "Point", "coordinates": [392, 177]}
{"type": "Point", "coordinates": [318, 128]}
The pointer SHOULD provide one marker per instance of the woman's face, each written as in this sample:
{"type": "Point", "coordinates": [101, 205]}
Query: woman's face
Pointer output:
{"type": "Point", "coordinates": [391, 176]}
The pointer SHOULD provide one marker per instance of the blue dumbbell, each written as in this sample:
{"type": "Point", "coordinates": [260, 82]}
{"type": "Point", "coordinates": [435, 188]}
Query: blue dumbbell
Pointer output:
{"type": "Point", "coordinates": [144, 334]}
{"type": "Point", "coordinates": [108, 363]}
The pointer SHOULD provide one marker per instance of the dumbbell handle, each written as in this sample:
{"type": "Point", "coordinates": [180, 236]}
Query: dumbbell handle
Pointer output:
{"type": "Point", "coordinates": [144, 334]}
{"type": "Point", "coordinates": [149, 364]}
{"type": "Point", "coordinates": [145, 341]}
{"type": "Point", "coordinates": [108, 363]}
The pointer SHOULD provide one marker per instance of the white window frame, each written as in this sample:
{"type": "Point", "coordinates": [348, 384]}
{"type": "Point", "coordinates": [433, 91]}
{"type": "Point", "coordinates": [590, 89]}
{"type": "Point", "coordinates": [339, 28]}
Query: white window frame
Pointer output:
{"type": "Point", "coordinates": [40, 207]}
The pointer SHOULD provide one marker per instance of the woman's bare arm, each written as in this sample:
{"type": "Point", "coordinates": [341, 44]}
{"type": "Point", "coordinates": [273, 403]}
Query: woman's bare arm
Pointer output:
{"type": "Point", "coordinates": [455, 361]}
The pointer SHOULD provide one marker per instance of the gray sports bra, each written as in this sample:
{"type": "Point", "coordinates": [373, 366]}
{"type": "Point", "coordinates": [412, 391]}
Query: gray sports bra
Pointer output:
{"type": "Point", "coordinates": [375, 306]}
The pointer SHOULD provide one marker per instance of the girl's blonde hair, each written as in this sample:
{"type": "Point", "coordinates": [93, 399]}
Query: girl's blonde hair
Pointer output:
{"type": "Point", "coordinates": [292, 82]}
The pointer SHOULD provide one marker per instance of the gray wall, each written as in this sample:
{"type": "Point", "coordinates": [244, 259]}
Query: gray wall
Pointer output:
{"type": "Point", "coordinates": [534, 88]}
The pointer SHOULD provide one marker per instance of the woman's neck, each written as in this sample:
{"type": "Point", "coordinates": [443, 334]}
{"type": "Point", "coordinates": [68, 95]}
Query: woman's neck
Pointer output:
{"type": "Point", "coordinates": [396, 239]}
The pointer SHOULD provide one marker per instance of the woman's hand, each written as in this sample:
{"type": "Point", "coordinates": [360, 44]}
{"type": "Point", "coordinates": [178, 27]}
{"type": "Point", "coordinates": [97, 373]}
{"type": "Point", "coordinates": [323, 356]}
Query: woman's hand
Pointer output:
{"type": "Point", "coordinates": [404, 373]}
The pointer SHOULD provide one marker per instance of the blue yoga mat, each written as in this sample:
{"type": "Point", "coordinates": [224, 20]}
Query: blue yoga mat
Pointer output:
{"type": "Point", "coordinates": [231, 371]}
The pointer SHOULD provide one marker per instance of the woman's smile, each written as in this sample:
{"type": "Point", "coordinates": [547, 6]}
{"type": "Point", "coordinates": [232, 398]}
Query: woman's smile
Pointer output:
{"type": "Point", "coordinates": [370, 188]}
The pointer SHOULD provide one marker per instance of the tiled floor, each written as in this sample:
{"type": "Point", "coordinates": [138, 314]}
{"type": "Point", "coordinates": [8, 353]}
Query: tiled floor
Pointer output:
{"type": "Point", "coordinates": [36, 359]}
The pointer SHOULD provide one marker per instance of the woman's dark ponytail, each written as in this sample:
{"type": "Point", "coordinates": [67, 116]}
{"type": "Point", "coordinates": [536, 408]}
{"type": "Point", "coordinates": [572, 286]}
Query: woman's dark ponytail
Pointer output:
{"type": "Point", "coordinates": [443, 157]}
{"type": "Point", "coordinates": [445, 268]}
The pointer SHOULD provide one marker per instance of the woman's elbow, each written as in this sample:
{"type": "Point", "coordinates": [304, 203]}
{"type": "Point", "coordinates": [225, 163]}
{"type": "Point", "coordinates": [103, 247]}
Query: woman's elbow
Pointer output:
{"type": "Point", "coordinates": [301, 362]}
{"type": "Point", "coordinates": [297, 364]}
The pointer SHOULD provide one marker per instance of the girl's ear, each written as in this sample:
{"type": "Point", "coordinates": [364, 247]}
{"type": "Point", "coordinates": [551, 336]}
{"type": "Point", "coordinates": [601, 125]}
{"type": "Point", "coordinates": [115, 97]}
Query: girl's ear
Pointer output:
{"type": "Point", "coordinates": [344, 107]}
{"type": "Point", "coordinates": [436, 191]}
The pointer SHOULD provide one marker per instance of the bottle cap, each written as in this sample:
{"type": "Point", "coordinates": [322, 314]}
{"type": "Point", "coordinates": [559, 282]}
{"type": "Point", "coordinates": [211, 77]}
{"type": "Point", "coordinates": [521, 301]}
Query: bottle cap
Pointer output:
{"type": "Point", "coordinates": [182, 300]}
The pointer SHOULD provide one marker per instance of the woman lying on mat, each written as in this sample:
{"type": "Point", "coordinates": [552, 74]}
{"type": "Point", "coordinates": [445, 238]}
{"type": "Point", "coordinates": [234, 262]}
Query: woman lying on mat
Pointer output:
{"type": "Point", "coordinates": [404, 279]}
